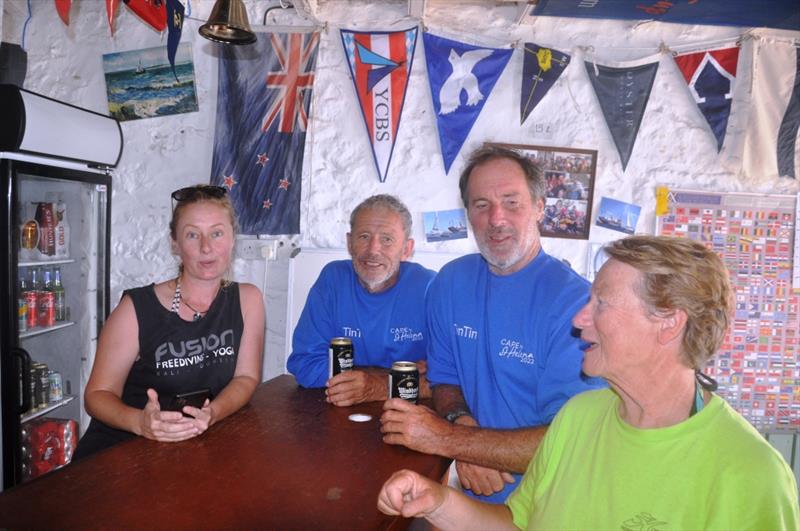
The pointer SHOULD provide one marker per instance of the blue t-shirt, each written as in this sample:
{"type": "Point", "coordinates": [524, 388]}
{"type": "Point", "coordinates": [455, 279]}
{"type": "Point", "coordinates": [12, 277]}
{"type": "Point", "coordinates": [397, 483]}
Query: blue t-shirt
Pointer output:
{"type": "Point", "coordinates": [507, 341]}
{"type": "Point", "coordinates": [385, 327]}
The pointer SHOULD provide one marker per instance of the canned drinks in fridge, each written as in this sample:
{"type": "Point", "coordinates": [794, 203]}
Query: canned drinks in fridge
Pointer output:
{"type": "Point", "coordinates": [32, 301]}
{"type": "Point", "coordinates": [340, 354]}
{"type": "Point", "coordinates": [404, 381]}
{"type": "Point", "coordinates": [47, 228]}
{"type": "Point", "coordinates": [22, 313]}
{"type": "Point", "coordinates": [41, 385]}
{"type": "Point", "coordinates": [56, 386]}
{"type": "Point", "coordinates": [47, 308]}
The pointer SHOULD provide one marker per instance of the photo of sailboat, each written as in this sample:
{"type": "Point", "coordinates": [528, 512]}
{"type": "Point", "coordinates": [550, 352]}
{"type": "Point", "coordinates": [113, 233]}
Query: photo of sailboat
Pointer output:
{"type": "Point", "coordinates": [453, 226]}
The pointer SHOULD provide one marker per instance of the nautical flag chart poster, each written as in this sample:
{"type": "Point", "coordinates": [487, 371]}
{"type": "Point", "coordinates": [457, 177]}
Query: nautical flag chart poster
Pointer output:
{"type": "Point", "coordinates": [757, 365]}
{"type": "Point", "coordinates": [262, 112]}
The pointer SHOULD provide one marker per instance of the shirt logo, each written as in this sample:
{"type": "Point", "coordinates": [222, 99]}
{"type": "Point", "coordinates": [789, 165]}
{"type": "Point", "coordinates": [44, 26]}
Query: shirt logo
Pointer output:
{"type": "Point", "coordinates": [405, 333]}
{"type": "Point", "coordinates": [643, 522]}
{"type": "Point", "coordinates": [194, 351]}
{"type": "Point", "coordinates": [514, 349]}
{"type": "Point", "coordinates": [351, 332]}
{"type": "Point", "coordinates": [466, 331]}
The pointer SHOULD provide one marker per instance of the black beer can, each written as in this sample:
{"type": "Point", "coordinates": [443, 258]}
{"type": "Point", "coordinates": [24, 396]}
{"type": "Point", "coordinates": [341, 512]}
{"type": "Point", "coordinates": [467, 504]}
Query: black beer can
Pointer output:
{"type": "Point", "coordinates": [41, 385]}
{"type": "Point", "coordinates": [340, 355]}
{"type": "Point", "coordinates": [404, 381]}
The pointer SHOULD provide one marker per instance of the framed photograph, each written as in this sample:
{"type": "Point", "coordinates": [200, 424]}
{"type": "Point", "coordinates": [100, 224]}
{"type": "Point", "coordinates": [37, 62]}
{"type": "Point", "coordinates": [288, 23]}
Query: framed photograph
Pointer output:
{"type": "Point", "coordinates": [569, 175]}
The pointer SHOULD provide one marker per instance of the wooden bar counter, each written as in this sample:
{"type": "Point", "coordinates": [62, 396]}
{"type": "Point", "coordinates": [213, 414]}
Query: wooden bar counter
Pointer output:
{"type": "Point", "coordinates": [287, 461]}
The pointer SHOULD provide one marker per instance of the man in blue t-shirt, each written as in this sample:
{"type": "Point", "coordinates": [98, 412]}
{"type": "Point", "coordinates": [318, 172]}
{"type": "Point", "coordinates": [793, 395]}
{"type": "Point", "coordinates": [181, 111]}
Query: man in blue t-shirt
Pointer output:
{"type": "Point", "coordinates": [377, 300]}
{"type": "Point", "coordinates": [502, 358]}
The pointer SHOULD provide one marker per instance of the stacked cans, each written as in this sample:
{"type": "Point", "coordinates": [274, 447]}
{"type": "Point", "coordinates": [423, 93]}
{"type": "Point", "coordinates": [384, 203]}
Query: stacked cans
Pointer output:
{"type": "Point", "coordinates": [47, 444]}
{"type": "Point", "coordinates": [47, 386]}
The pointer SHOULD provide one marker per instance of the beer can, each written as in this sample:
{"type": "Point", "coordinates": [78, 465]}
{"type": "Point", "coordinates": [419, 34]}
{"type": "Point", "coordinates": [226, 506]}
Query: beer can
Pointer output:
{"type": "Point", "coordinates": [56, 386]}
{"type": "Point", "coordinates": [47, 228]}
{"type": "Point", "coordinates": [340, 355]}
{"type": "Point", "coordinates": [47, 308]}
{"type": "Point", "coordinates": [32, 382]}
{"type": "Point", "coordinates": [41, 384]}
{"type": "Point", "coordinates": [22, 313]}
{"type": "Point", "coordinates": [404, 381]}
{"type": "Point", "coordinates": [32, 300]}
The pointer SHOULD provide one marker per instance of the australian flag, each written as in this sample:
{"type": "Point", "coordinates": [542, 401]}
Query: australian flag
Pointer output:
{"type": "Point", "coordinates": [263, 100]}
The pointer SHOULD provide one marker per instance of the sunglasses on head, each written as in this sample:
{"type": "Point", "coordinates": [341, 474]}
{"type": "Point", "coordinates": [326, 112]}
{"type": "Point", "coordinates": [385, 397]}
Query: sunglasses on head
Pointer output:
{"type": "Point", "coordinates": [206, 189]}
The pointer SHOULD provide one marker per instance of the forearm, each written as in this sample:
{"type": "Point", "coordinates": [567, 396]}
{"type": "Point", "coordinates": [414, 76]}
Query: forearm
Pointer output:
{"type": "Point", "coordinates": [109, 409]}
{"type": "Point", "coordinates": [379, 386]}
{"type": "Point", "coordinates": [507, 450]}
{"type": "Point", "coordinates": [235, 395]}
{"type": "Point", "coordinates": [310, 369]}
{"type": "Point", "coordinates": [462, 512]}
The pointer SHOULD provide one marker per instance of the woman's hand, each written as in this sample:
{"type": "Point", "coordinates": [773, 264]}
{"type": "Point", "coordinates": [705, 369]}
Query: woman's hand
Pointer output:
{"type": "Point", "coordinates": [170, 426]}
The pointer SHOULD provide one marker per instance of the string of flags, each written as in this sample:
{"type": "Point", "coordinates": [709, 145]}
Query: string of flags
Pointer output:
{"type": "Point", "coordinates": [258, 145]}
{"type": "Point", "coordinates": [158, 14]}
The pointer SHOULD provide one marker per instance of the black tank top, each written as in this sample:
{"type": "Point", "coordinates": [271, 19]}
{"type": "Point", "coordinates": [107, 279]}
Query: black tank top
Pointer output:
{"type": "Point", "coordinates": [175, 356]}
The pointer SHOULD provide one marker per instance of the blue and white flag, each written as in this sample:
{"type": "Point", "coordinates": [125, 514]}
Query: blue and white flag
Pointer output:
{"type": "Point", "coordinates": [262, 113]}
{"type": "Point", "coordinates": [461, 77]}
{"type": "Point", "coordinates": [772, 143]}
{"type": "Point", "coordinates": [541, 68]}
{"type": "Point", "coordinates": [622, 92]}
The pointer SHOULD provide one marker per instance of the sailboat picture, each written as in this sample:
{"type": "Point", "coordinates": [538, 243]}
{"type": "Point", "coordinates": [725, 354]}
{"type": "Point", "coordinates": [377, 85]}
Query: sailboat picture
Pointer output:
{"type": "Point", "coordinates": [444, 225]}
{"type": "Point", "coordinates": [618, 215]}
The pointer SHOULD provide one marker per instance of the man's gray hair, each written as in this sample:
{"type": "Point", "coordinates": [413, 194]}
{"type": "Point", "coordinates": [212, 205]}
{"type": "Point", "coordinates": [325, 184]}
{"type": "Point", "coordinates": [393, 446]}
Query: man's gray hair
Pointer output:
{"type": "Point", "coordinates": [388, 202]}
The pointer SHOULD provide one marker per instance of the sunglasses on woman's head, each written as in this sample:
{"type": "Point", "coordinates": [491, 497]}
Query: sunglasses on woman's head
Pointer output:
{"type": "Point", "coordinates": [207, 189]}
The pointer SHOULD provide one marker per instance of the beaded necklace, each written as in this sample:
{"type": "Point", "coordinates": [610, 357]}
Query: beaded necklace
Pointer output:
{"type": "Point", "coordinates": [177, 300]}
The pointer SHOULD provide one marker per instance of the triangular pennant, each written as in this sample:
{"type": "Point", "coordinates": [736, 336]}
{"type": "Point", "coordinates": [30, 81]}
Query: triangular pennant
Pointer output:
{"type": "Point", "coordinates": [174, 28]}
{"type": "Point", "coordinates": [772, 145]}
{"type": "Point", "coordinates": [111, 11]}
{"type": "Point", "coordinates": [541, 68]}
{"type": "Point", "coordinates": [622, 92]}
{"type": "Point", "coordinates": [461, 77]}
{"type": "Point", "coordinates": [710, 76]}
{"type": "Point", "coordinates": [153, 12]}
{"type": "Point", "coordinates": [62, 7]}
{"type": "Point", "coordinates": [380, 65]}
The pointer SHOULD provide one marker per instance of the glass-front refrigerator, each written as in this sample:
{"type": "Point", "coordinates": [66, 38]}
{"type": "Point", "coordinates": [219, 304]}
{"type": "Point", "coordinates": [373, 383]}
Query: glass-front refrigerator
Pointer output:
{"type": "Point", "coordinates": [55, 293]}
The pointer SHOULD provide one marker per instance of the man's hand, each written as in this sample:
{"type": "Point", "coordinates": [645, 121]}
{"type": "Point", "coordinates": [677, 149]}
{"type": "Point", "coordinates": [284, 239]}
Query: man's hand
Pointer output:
{"type": "Point", "coordinates": [481, 480]}
{"type": "Point", "coordinates": [416, 427]}
{"type": "Point", "coordinates": [356, 386]}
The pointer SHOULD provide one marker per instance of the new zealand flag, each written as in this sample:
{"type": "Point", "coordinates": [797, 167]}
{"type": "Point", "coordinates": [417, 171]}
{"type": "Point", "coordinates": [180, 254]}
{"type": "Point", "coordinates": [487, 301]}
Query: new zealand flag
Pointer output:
{"type": "Point", "coordinates": [262, 112]}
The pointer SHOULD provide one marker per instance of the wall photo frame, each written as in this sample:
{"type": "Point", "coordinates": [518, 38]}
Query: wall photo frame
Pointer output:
{"type": "Point", "coordinates": [569, 175]}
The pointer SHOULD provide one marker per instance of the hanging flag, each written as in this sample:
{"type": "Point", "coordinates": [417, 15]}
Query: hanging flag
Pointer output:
{"type": "Point", "coordinates": [710, 76]}
{"type": "Point", "coordinates": [174, 29]}
{"type": "Point", "coordinates": [62, 7]}
{"type": "Point", "coordinates": [461, 77]}
{"type": "Point", "coordinates": [111, 11]}
{"type": "Point", "coordinates": [771, 145]}
{"type": "Point", "coordinates": [152, 12]}
{"type": "Point", "coordinates": [380, 65]}
{"type": "Point", "coordinates": [622, 91]}
{"type": "Point", "coordinates": [541, 67]}
{"type": "Point", "coordinates": [263, 98]}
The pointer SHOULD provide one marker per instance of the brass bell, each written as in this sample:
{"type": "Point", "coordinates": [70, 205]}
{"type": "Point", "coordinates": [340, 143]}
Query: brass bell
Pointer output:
{"type": "Point", "coordinates": [228, 24]}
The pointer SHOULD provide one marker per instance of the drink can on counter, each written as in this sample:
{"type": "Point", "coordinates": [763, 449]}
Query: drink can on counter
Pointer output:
{"type": "Point", "coordinates": [404, 381]}
{"type": "Point", "coordinates": [56, 386]}
{"type": "Point", "coordinates": [47, 308]}
{"type": "Point", "coordinates": [41, 385]}
{"type": "Point", "coordinates": [340, 353]}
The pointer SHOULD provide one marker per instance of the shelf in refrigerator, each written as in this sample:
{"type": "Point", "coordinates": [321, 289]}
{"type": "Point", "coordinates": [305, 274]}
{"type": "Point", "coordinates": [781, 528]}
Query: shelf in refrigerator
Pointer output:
{"type": "Point", "coordinates": [44, 329]}
{"type": "Point", "coordinates": [30, 415]}
{"type": "Point", "coordinates": [30, 263]}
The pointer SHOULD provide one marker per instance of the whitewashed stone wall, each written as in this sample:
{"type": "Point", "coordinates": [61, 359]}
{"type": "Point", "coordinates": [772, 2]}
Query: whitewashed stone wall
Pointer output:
{"type": "Point", "coordinates": [674, 146]}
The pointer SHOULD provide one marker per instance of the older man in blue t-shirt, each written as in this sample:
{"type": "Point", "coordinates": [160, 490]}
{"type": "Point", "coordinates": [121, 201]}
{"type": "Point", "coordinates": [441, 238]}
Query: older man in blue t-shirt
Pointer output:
{"type": "Point", "coordinates": [377, 300]}
{"type": "Point", "coordinates": [502, 359]}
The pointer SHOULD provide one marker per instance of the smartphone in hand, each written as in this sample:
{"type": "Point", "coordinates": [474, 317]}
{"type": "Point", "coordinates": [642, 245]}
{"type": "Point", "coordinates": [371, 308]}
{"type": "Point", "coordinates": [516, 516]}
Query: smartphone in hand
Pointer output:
{"type": "Point", "coordinates": [192, 398]}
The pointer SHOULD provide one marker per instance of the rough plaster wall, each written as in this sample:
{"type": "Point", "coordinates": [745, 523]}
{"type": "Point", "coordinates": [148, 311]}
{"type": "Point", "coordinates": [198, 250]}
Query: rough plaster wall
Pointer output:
{"type": "Point", "coordinates": [673, 148]}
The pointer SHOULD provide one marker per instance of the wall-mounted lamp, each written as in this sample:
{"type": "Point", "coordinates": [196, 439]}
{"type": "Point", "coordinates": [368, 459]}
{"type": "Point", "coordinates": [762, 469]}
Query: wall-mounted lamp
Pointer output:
{"type": "Point", "coordinates": [228, 24]}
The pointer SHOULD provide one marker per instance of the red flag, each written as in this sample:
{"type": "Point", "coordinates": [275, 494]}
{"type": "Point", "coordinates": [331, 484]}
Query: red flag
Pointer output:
{"type": "Point", "coordinates": [153, 12]}
{"type": "Point", "coordinates": [111, 10]}
{"type": "Point", "coordinates": [62, 6]}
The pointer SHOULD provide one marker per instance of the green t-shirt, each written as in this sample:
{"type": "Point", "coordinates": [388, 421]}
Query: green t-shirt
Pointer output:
{"type": "Point", "coordinates": [712, 471]}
